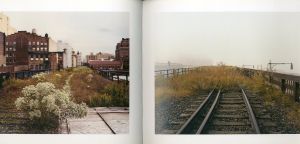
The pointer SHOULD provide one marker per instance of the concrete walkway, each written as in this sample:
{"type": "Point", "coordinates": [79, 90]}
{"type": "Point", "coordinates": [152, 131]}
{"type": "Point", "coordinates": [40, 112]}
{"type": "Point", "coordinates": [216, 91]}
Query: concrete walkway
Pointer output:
{"type": "Point", "coordinates": [100, 120]}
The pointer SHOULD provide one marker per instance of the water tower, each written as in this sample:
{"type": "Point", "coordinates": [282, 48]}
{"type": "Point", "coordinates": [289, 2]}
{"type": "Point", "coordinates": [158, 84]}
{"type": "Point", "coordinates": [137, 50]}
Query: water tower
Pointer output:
{"type": "Point", "coordinates": [34, 31]}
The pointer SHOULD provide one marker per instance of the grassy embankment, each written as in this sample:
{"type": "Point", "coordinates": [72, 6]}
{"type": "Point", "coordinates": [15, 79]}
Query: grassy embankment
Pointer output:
{"type": "Point", "coordinates": [207, 78]}
{"type": "Point", "coordinates": [86, 86]}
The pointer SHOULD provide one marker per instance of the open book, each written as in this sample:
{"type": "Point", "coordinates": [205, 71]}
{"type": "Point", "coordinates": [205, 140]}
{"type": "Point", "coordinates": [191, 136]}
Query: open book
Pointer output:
{"type": "Point", "coordinates": [149, 72]}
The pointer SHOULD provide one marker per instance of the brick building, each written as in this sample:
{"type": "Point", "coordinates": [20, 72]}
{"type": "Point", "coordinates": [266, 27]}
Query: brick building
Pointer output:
{"type": "Point", "coordinates": [24, 48]}
{"type": "Point", "coordinates": [122, 53]}
{"type": "Point", "coordinates": [91, 56]}
{"type": "Point", "coordinates": [56, 60]}
{"type": "Point", "coordinates": [98, 64]}
{"type": "Point", "coordinates": [2, 48]}
{"type": "Point", "coordinates": [99, 56]}
{"type": "Point", "coordinates": [121, 60]}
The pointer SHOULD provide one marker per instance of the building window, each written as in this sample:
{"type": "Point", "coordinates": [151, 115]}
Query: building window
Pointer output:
{"type": "Point", "coordinates": [37, 49]}
{"type": "Point", "coordinates": [14, 43]}
{"type": "Point", "coordinates": [10, 49]}
{"type": "Point", "coordinates": [46, 59]}
{"type": "Point", "coordinates": [33, 49]}
{"type": "Point", "coordinates": [6, 49]}
{"type": "Point", "coordinates": [29, 43]}
{"type": "Point", "coordinates": [42, 43]}
{"type": "Point", "coordinates": [6, 43]}
{"type": "Point", "coordinates": [33, 43]}
{"type": "Point", "coordinates": [37, 43]}
{"type": "Point", "coordinates": [14, 49]}
{"type": "Point", "coordinates": [45, 43]}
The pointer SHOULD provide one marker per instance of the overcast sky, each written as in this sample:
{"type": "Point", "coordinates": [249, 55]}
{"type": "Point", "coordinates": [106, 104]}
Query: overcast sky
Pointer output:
{"type": "Point", "coordinates": [235, 38]}
{"type": "Point", "coordinates": [84, 31]}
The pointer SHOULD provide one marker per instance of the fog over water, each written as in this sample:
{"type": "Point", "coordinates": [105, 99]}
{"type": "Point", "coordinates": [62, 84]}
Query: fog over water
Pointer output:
{"type": "Point", "coordinates": [234, 38]}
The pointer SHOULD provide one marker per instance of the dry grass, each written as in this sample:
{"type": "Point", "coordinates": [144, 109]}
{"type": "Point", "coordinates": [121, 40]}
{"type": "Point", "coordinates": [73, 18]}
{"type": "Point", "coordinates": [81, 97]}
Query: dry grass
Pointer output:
{"type": "Point", "coordinates": [12, 87]}
{"type": "Point", "coordinates": [86, 86]}
{"type": "Point", "coordinates": [275, 98]}
{"type": "Point", "coordinates": [201, 79]}
{"type": "Point", "coordinates": [89, 87]}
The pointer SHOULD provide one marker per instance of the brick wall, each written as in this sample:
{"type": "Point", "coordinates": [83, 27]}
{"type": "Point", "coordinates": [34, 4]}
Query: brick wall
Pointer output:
{"type": "Point", "coordinates": [2, 48]}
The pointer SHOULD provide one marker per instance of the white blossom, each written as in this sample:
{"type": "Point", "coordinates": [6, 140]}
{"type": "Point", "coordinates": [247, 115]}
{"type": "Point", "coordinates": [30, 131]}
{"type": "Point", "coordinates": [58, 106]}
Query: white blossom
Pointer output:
{"type": "Point", "coordinates": [44, 100]}
{"type": "Point", "coordinates": [34, 114]}
{"type": "Point", "coordinates": [40, 76]}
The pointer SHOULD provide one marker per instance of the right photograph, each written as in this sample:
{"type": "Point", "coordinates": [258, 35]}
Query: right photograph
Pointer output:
{"type": "Point", "coordinates": [227, 72]}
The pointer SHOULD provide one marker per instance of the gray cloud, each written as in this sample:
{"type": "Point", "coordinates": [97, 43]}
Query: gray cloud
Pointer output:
{"type": "Point", "coordinates": [235, 38]}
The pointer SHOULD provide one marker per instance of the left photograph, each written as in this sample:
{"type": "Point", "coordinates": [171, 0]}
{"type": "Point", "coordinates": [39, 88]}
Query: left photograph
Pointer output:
{"type": "Point", "coordinates": [64, 72]}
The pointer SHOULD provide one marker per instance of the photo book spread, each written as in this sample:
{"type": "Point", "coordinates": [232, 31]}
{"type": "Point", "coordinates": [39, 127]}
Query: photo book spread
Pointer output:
{"type": "Point", "coordinates": [149, 72]}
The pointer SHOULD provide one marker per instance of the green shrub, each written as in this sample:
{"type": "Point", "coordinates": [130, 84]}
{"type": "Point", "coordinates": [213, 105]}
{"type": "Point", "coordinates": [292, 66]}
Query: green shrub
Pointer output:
{"type": "Point", "coordinates": [119, 93]}
{"type": "Point", "coordinates": [115, 94]}
{"type": "Point", "coordinates": [101, 100]}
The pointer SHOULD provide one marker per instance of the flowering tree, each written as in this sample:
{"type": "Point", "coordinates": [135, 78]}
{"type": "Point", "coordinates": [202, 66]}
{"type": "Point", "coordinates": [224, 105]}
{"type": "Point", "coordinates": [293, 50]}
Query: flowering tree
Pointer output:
{"type": "Point", "coordinates": [45, 104]}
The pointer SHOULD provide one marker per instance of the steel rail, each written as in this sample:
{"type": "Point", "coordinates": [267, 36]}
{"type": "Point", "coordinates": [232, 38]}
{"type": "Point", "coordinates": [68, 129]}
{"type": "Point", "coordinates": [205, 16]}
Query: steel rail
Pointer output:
{"type": "Point", "coordinates": [188, 122]}
{"type": "Point", "coordinates": [250, 112]}
{"type": "Point", "coordinates": [209, 114]}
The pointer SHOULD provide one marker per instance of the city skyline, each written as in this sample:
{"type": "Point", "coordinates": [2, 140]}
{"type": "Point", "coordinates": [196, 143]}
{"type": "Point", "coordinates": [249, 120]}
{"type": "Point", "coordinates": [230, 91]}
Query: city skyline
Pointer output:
{"type": "Point", "coordinates": [86, 32]}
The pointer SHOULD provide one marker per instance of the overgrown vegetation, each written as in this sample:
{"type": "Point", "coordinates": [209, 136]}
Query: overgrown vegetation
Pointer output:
{"type": "Point", "coordinates": [274, 98]}
{"type": "Point", "coordinates": [84, 86]}
{"type": "Point", "coordinates": [201, 79]}
{"type": "Point", "coordinates": [114, 95]}
{"type": "Point", "coordinates": [225, 77]}
{"type": "Point", "coordinates": [91, 88]}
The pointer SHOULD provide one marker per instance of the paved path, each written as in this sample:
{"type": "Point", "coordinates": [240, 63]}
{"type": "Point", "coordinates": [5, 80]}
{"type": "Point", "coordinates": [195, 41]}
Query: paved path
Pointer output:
{"type": "Point", "coordinates": [100, 120]}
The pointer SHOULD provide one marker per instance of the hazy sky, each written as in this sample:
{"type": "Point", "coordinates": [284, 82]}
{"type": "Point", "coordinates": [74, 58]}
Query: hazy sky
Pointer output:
{"type": "Point", "coordinates": [84, 31]}
{"type": "Point", "coordinates": [235, 38]}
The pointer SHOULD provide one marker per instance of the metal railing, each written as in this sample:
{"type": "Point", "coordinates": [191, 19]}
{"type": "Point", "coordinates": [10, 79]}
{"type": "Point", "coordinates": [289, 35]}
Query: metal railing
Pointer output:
{"type": "Point", "coordinates": [289, 84]}
{"type": "Point", "coordinates": [115, 75]}
{"type": "Point", "coordinates": [172, 72]}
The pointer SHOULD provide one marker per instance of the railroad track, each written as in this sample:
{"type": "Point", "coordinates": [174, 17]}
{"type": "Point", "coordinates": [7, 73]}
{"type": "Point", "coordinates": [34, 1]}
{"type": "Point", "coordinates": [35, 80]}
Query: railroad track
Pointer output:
{"type": "Point", "coordinates": [222, 113]}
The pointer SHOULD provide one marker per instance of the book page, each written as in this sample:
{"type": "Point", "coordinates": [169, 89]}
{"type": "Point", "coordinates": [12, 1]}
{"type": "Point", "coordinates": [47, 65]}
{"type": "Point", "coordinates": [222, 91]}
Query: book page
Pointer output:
{"type": "Point", "coordinates": [221, 72]}
{"type": "Point", "coordinates": [70, 71]}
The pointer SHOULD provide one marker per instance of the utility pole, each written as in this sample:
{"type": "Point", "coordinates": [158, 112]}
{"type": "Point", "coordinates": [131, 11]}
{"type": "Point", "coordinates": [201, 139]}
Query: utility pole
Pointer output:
{"type": "Point", "coordinates": [272, 65]}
